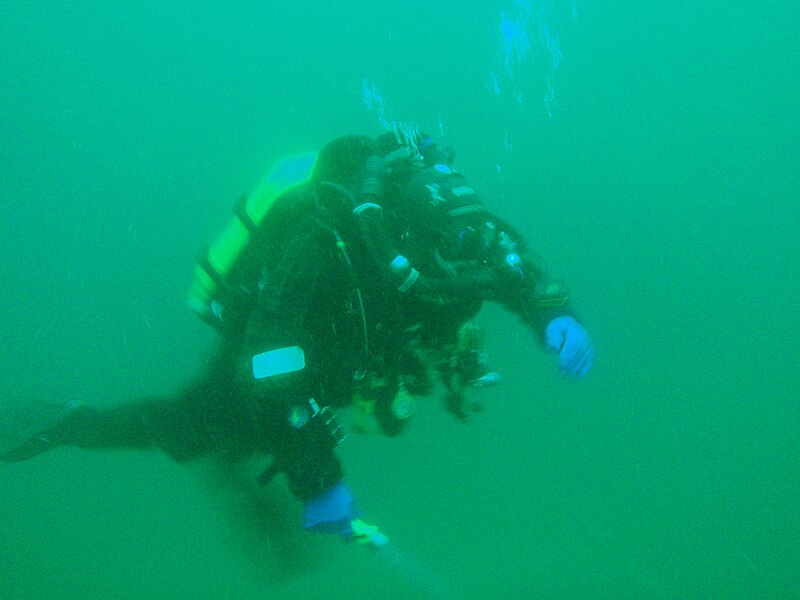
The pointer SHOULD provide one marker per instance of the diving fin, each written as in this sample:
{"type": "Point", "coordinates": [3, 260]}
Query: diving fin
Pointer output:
{"type": "Point", "coordinates": [28, 428]}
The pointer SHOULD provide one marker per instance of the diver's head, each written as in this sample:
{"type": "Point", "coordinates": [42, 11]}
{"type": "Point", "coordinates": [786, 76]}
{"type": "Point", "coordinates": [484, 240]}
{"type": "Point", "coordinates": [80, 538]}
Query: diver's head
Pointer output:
{"type": "Point", "coordinates": [342, 159]}
{"type": "Point", "coordinates": [414, 146]}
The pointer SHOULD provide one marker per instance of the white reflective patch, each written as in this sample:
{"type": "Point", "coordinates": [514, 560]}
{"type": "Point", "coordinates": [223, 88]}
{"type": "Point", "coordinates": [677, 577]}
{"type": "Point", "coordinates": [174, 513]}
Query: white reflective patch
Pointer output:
{"type": "Point", "coordinates": [278, 362]}
{"type": "Point", "coordinates": [463, 190]}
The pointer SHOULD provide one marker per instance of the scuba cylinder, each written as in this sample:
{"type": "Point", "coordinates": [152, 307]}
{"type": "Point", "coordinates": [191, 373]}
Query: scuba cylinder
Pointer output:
{"type": "Point", "coordinates": [214, 269]}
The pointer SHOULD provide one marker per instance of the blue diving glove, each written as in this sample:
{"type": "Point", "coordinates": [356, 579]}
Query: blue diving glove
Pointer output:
{"type": "Point", "coordinates": [331, 511]}
{"type": "Point", "coordinates": [573, 344]}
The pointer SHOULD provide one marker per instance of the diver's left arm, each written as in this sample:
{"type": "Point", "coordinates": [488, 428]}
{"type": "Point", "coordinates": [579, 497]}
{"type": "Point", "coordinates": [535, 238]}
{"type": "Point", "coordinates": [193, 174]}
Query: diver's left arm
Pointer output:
{"type": "Point", "coordinates": [541, 302]}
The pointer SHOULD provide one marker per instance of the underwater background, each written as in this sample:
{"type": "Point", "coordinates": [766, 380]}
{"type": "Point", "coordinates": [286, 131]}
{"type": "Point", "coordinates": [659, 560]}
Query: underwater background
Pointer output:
{"type": "Point", "coordinates": [647, 150]}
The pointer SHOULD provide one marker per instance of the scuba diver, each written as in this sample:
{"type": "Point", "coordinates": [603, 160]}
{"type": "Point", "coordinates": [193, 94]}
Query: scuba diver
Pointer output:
{"type": "Point", "coordinates": [348, 279]}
